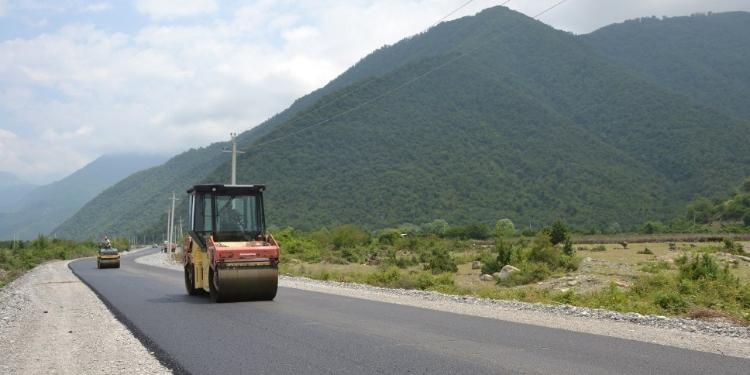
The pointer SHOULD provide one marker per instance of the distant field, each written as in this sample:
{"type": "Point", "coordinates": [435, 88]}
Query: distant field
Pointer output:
{"type": "Point", "coordinates": [646, 275]}
{"type": "Point", "coordinates": [654, 238]}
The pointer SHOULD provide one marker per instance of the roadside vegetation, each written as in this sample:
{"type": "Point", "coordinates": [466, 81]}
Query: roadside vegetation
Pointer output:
{"type": "Point", "coordinates": [20, 256]}
{"type": "Point", "coordinates": [700, 280]}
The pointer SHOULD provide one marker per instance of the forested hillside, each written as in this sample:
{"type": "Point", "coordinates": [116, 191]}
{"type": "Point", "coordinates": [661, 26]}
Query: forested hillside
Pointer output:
{"type": "Point", "coordinates": [530, 126]}
{"type": "Point", "coordinates": [503, 117]}
{"type": "Point", "coordinates": [704, 56]}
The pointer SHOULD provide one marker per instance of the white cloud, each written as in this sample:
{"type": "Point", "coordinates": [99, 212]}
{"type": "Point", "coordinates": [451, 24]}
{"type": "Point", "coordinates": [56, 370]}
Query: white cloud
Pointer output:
{"type": "Point", "coordinates": [70, 95]}
{"type": "Point", "coordinates": [97, 7]}
{"type": "Point", "coordinates": [171, 9]}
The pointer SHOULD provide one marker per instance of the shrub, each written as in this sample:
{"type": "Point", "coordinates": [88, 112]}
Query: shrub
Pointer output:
{"type": "Point", "coordinates": [568, 247]}
{"type": "Point", "coordinates": [701, 267]}
{"type": "Point", "coordinates": [732, 247]}
{"type": "Point", "coordinates": [670, 301]}
{"type": "Point", "coordinates": [437, 227]}
{"type": "Point", "coordinates": [598, 248]}
{"type": "Point", "coordinates": [441, 261]}
{"type": "Point", "coordinates": [384, 276]}
{"type": "Point", "coordinates": [472, 231]}
{"type": "Point", "coordinates": [655, 267]}
{"type": "Point", "coordinates": [530, 272]}
{"type": "Point", "coordinates": [653, 227]}
{"type": "Point", "coordinates": [504, 228]}
{"type": "Point", "coordinates": [558, 233]}
{"type": "Point", "coordinates": [348, 236]}
{"type": "Point", "coordinates": [389, 237]}
{"type": "Point", "coordinates": [645, 251]}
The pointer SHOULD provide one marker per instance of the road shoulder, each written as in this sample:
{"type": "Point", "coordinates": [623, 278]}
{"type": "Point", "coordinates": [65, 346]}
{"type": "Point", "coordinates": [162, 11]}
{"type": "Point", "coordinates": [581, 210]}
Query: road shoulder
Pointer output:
{"type": "Point", "coordinates": [51, 322]}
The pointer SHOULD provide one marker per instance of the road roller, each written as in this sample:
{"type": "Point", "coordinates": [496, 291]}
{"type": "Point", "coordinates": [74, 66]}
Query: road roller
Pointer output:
{"type": "Point", "coordinates": [108, 257]}
{"type": "Point", "coordinates": [228, 253]}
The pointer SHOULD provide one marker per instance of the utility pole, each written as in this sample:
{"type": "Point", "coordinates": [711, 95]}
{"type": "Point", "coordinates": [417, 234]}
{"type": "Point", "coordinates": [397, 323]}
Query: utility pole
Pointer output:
{"type": "Point", "coordinates": [171, 232]}
{"type": "Point", "coordinates": [180, 237]}
{"type": "Point", "coordinates": [233, 139]}
{"type": "Point", "coordinates": [166, 236]}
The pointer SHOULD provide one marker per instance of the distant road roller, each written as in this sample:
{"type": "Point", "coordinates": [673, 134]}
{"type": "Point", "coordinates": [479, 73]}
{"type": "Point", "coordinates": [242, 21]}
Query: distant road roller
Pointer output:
{"type": "Point", "coordinates": [108, 257]}
{"type": "Point", "coordinates": [228, 253]}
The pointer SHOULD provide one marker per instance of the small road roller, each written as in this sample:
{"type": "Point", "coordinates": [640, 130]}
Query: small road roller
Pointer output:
{"type": "Point", "coordinates": [108, 257]}
{"type": "Point", "coordinates": [228, 253]}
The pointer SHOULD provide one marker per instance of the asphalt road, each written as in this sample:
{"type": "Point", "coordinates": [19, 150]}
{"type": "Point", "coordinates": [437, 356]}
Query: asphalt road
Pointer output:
{"type": "Point", "coordinates": [304, 332]}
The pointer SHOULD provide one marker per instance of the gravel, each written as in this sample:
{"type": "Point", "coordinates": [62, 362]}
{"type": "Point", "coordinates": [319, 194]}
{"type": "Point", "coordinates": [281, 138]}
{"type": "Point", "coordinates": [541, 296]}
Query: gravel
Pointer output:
{"type": "Point", "coordinates": [50, 322]}
{"type": "Point", "coordinates": [709, 336]}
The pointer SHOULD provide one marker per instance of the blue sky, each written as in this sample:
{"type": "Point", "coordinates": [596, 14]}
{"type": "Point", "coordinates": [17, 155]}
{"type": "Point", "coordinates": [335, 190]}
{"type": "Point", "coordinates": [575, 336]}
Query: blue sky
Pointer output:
{"type": "Point", "coordinates": [79, 79]}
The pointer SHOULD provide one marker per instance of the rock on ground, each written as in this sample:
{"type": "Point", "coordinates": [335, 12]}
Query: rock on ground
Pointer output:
{"type": "Point", "coordinates": [52, 323]}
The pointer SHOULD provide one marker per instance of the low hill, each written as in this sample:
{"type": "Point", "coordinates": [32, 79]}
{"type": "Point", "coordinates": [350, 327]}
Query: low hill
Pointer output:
{"type": "Point", "coordinates": [43, 208]}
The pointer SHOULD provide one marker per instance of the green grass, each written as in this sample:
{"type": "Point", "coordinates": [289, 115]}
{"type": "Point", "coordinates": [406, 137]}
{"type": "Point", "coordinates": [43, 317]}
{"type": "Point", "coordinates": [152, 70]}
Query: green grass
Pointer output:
{"type": "Point", "coordinates": [691, 280]}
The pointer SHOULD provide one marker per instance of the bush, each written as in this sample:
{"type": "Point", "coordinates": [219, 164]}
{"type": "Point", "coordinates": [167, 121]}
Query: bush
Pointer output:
{"type": "Point", "coordinates": [558, 233]}
{"type": "Point", "coordinates": [670, 301]}
{"type": "Point", "coordinates": [701, 267]}
{"type": "Point", "coordinates": [472, 231]}
{"type": "Point", "coordinates": [441, 261]}
{"type": "Point", "coordinates": [530, 272]}
{"type": "Point", "coordinates": [504, 228]}
{"type": "Point", "coordinates": [389, 237]}
{"type": "Point", "coordinates": [646, 251]}
{"type": "Point", "coordinates": [349, 236]}
{"type": "Point", "coordinates": [655, 267]}
{"type": "Point", "coordinates": [598, 248]}
{"type": "Point", "coordinates": [653, 227]}
{"type": "Point", "coordinates": [568, 247]}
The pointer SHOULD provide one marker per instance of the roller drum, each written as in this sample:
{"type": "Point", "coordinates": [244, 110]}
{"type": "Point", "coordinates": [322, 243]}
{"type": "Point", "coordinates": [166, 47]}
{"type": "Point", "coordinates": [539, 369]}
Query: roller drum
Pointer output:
{"type": "Point", "coordinates": [247, 283]}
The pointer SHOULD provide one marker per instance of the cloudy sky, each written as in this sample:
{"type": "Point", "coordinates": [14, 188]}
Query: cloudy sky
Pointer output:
{"type": "Point", "coordinates": [79, 79]}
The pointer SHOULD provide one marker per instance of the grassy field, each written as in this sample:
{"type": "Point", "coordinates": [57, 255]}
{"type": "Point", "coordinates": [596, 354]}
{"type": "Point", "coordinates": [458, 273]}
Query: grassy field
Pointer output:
{"type": "Point", "coordinates": [21, 256]}
{"type": "Point", "coordinates": [691, 279]}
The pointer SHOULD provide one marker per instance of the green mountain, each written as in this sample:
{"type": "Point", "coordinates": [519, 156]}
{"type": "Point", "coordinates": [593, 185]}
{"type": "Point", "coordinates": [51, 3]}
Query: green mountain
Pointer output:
{"type": "Point", "coordinates": [502, 116]}
{"type": "Point", "coordinates": [703, 56]}
{"type": "Point", "coordinates": [43, 208]}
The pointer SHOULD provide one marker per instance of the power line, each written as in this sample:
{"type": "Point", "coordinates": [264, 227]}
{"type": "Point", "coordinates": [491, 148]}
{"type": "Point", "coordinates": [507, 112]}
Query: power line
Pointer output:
{"type": "Point", "coordinates": [338, 98]}
{"type": "Point", "coordinates": [404, 84]}
{"type": "Point", "coordinates": [454, 11]}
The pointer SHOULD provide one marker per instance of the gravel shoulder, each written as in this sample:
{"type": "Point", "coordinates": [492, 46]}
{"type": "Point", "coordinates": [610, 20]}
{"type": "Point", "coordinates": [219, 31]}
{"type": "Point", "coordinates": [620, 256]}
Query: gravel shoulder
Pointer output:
{"type": "Point", "coordinates": [50, 322]}
{"type": "Point", "coordinates": [712, 337]}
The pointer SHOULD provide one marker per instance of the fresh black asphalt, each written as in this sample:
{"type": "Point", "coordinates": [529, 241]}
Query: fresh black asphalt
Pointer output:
{"type": "Point", "coordinates": [303, 332]}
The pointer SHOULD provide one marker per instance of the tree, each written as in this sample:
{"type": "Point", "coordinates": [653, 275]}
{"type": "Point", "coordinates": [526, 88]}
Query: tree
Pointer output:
{"type": "Point", "coordinates": [568, 247]}
{"type": "Point", "coordinates": [746, 219]}
{"type": "Point", "coordinates": [701, 210]}
{"type": "Point", "coordinates": [559, 232]}
{"type": "Point", "coordinates": [504, 228]}
{"type": "Point", "coordinates": [746, 185]}
{"type": "Point", "coordinates": [349, 236]}
{"type": "Point", "coordinates": [437, 227]}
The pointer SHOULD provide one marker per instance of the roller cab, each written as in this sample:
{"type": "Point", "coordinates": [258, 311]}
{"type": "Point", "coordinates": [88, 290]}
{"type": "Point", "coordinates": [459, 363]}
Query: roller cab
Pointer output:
{"type": "Point", "coordinates": [228, 253]}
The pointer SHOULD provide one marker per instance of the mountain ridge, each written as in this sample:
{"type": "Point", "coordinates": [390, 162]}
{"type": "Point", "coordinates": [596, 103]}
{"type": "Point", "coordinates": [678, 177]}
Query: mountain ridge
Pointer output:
{"type": "Point", "coordinates": [598, 145]}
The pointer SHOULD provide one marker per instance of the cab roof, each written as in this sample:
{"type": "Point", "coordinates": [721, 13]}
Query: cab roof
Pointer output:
{"type": "Point", "coordinates": [227, 189]}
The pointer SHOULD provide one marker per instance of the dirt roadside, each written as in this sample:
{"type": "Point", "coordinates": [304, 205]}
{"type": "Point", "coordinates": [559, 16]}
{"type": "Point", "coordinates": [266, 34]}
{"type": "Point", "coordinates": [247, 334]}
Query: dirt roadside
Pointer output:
{"type": "Point", "coordinates": [51, 323]}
